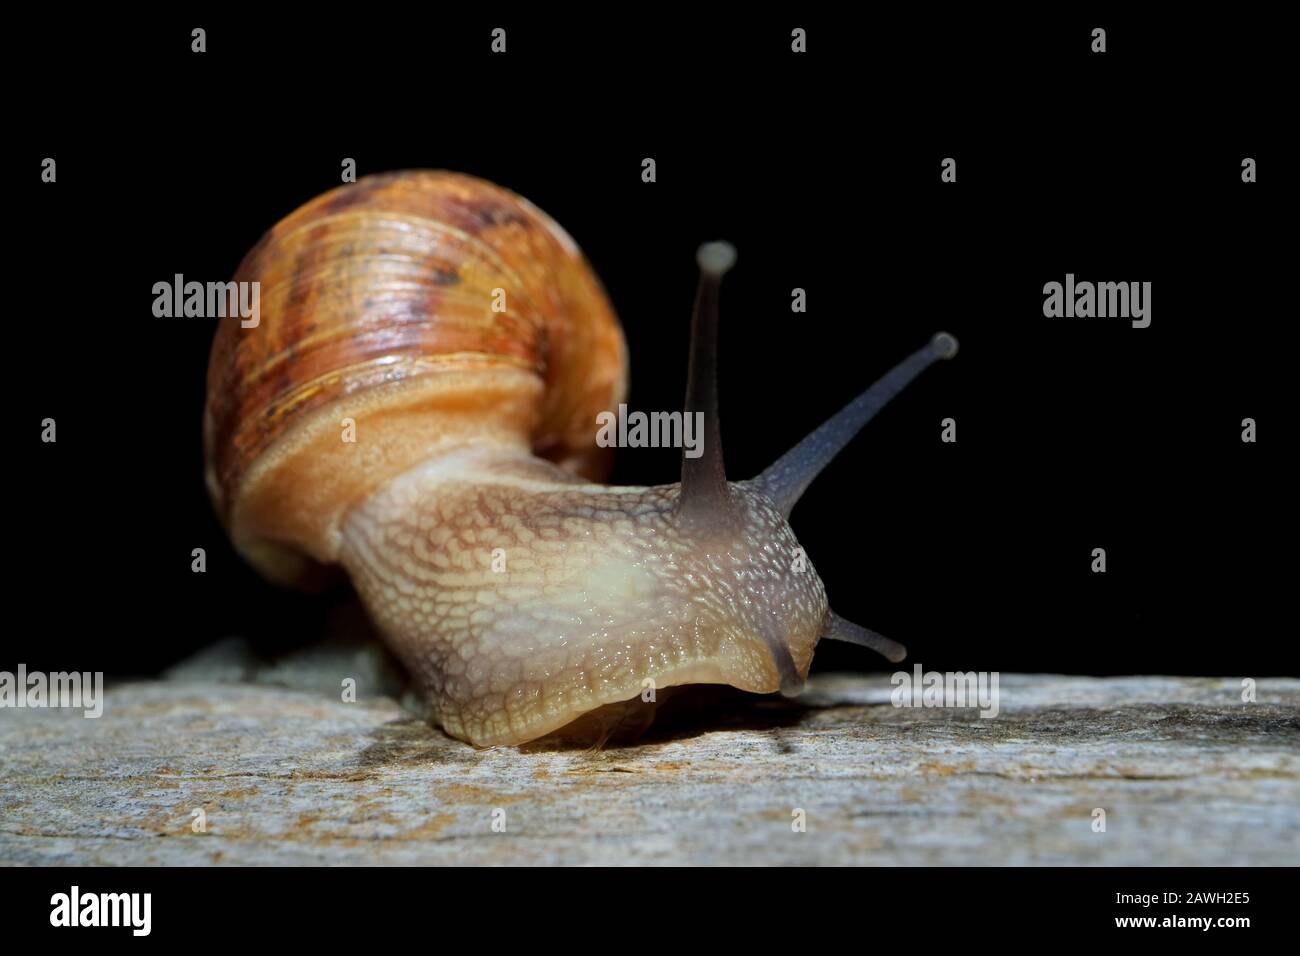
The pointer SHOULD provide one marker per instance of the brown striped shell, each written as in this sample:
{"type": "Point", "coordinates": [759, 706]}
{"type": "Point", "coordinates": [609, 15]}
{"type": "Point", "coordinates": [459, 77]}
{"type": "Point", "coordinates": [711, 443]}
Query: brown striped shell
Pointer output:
{"type": "Point", "coordinates": [376, 305]}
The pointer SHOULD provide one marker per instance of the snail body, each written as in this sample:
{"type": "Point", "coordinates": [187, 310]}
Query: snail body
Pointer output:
{"type": "Point", "coordinates": [519, 591]}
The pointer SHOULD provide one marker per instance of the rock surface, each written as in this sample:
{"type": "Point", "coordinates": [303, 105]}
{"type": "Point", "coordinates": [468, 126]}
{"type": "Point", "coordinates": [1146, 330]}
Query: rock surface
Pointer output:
{"type": "Point", "coordinates": [1185, 771]}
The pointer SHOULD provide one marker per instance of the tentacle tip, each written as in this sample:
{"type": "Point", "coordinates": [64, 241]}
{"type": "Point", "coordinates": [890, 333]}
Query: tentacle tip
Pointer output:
{"type": "Point", "coordinates": [715, 258]}
{"type": "Point", "coordinates": [896, 655]}
{"type": "Point", "coordinates": [792, 687]}
{"type": "Point", "coordinates": [944, 345]}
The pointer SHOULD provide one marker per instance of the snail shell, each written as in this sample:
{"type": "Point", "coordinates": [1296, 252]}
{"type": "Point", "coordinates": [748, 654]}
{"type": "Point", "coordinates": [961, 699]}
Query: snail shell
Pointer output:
{"type": "Point", "coordinates": [377, 305]}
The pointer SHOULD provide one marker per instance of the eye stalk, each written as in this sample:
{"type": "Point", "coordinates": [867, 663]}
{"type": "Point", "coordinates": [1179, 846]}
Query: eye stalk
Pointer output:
{"type": "Point", "coordinates": [705, 495]}
{"type": "Point", "coordinates": [789, 476]}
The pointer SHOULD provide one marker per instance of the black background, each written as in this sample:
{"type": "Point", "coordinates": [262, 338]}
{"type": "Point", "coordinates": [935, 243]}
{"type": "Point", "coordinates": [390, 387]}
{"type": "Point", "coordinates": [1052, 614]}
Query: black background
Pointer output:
{"type": "Point", "coordinates": [823, 169]}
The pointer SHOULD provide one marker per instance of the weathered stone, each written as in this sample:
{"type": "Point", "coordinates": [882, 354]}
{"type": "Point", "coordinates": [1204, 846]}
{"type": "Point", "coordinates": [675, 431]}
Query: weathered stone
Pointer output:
{"type": "Point", "coordinates": [1186, 772]}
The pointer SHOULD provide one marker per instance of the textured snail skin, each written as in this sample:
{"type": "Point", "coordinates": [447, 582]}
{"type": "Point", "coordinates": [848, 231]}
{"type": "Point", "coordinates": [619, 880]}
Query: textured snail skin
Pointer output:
{"type": "Point", "coordinates": [523, 597]}
{"type": "Point", "coordinates": [602, 590]}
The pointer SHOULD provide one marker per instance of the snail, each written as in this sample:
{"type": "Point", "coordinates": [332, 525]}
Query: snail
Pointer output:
{"type": "Point", "coordinates": [461, 336]}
